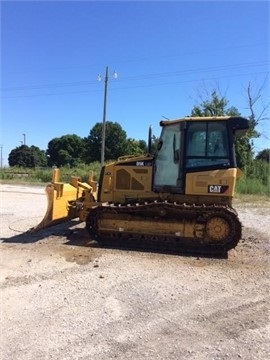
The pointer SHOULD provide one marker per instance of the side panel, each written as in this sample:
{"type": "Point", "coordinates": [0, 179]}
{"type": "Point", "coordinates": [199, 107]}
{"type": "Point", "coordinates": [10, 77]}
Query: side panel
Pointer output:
{"type": "Point", "coordinates": [105, 190]}
{"type": "Point", "coordinates": [214, 182]}
{"type": "Point", "coordinates": [127, 181]}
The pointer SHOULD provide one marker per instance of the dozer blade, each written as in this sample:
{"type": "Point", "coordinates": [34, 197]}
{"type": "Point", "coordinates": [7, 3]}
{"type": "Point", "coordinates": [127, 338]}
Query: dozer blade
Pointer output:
{"type": "Point", "coordinates": [59, 197]}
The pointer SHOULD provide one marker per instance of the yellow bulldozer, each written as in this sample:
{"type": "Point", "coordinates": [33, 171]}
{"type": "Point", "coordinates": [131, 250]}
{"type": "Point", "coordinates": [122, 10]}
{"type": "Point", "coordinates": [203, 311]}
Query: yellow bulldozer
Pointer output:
{"type": "Point", "coordinates": [179, 197]}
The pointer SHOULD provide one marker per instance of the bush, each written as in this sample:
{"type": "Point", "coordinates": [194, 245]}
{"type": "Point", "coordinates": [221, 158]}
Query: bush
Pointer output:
{"type": "Point", "coordinates": [256, 179]}
{"type": "Point", "coordinates": [251, 186]}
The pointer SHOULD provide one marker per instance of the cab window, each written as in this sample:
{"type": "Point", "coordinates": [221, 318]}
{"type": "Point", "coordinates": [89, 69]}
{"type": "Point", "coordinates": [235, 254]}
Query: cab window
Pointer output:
{"type": "Point", "coordinates": [207, 144]}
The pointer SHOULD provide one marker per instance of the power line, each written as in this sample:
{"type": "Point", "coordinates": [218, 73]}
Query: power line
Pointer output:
{"type": "Point", "coordinates": [52, 85]}
{"type": "Point", "coordinates": [142, 77]}
{"type": "Point", "coordinates": [146, 58]}
{"type": "Point", "coordinates": [199, 70]}
{"type": "Point", "coordinates": [135, 86]}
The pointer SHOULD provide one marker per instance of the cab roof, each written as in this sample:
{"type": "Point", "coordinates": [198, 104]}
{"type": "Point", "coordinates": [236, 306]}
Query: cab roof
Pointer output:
{"type": "Point", "coordinates": [235, 122]}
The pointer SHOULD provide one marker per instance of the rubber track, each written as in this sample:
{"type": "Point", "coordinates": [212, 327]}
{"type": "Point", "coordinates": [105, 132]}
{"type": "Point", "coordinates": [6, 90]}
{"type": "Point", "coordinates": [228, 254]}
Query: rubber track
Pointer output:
{"type": "Point", "coordinates": [172, 244]}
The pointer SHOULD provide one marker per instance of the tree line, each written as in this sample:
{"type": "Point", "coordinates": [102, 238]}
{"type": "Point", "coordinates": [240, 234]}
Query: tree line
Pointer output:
{"type": "Point", "coordinates": [72, 150]}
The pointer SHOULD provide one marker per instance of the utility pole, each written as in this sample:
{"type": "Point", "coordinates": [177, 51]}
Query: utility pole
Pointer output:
{"type": "Point", "coordinates": [24, 142]}
{"type": "Point", "coordinates": [1, 154]}
{"type": "Point", "coordinates": [104, 118]}
{"type": "Point", "coordinates": [104, 113]}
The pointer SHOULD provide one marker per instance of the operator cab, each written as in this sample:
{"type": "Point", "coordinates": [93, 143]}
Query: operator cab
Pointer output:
{"type": "Point", "coordinates": [194, 144]}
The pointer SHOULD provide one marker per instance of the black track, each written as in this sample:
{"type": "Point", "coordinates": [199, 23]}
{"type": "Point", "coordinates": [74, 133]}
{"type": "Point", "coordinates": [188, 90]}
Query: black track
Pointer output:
{"type": "Point", "coordinates": [164, 243]}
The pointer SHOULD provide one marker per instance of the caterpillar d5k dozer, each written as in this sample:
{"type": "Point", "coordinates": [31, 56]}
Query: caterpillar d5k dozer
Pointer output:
{"type": "Point", "coordinates": [181, 197]}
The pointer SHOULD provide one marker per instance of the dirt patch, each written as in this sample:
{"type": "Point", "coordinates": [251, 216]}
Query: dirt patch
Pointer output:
{"type": "Point", "coordinates": [63, 297]}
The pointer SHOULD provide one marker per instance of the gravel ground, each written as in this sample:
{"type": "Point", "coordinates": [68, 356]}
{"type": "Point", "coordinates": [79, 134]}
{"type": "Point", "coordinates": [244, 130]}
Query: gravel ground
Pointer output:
{"type": "Point", "coordinates": [63, 298]}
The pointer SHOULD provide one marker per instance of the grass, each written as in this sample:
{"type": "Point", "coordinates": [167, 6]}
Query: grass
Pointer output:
{"type": "Point", "coordinates": [254, 188]}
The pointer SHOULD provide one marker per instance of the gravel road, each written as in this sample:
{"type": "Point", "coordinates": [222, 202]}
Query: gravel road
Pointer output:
{"type": "Point", "coordinates": [64, 298]}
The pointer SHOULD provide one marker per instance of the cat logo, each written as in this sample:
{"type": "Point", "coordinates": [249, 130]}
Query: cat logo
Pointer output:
{"type": "Point", "coordinates": [217, 189]}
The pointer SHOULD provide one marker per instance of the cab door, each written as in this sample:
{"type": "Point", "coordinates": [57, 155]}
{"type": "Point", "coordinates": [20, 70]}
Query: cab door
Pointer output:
{"type": "Point", "coordinates": [168, 168]}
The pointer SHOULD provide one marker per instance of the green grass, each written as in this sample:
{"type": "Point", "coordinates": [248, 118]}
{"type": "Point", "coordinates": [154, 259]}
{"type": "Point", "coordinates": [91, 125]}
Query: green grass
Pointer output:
{"type": "Point", "coordinates": [40, 176]}
{"type": "Point", "coordinates": [254, 185]}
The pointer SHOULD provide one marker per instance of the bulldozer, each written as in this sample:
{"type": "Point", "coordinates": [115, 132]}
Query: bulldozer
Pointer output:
{"type": "Point", "coordinates": [181, 196]}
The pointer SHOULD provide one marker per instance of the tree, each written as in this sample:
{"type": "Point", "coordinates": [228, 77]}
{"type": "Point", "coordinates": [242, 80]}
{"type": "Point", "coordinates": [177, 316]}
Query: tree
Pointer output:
{"type": "Point", "coordinates": [264, 155]}
{"type": "Point", "coordinates": [25, 156]}
{"type": "Point", "coordinates": [66, 150]}
{"type": "Point", "coordinates": [135, 147]}
{"type": "Point", "coordinates": [215, 106]}
{"type": "Point", "coordinates": [253, 96]}
{"type": "Point", "coordinates": [115, 142]}
{"type": "Point", "coordinates": [40, 158]}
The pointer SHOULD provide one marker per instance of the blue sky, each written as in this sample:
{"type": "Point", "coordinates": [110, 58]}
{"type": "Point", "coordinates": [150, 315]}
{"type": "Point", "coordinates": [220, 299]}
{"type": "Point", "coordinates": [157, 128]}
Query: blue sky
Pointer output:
{"type": "Point", "coordinates": [168, 55]}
